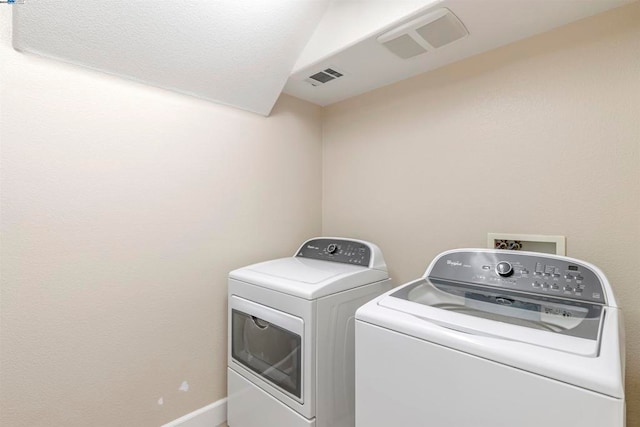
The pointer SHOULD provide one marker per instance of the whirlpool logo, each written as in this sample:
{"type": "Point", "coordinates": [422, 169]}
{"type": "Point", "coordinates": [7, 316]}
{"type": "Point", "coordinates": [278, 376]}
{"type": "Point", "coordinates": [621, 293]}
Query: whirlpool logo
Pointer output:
{"type": "Point", "coordinates": [454, 263]}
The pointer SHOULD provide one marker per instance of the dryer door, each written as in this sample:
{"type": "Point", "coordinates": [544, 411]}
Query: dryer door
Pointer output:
{"type": "Point", "coordinates": [268, 342]}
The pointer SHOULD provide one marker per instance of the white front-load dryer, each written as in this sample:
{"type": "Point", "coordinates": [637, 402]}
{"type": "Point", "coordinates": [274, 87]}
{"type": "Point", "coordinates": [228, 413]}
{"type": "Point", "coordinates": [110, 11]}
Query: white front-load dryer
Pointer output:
{"type": "Point", "coordinates": [291, 334]}
{"type": "Point", "coordinates": [491, 338]}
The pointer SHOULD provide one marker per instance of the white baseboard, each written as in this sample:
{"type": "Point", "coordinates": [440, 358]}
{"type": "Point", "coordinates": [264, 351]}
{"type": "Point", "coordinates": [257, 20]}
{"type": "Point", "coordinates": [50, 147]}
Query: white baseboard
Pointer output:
{"type": "Point", "coordinates": [211, 415]}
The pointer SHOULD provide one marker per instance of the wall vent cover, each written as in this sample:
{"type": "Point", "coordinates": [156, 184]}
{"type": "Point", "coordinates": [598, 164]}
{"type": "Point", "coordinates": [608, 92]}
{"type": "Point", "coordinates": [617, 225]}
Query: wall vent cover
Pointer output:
{"type": "Point", "coordinates": [424, 34]}
{"type": "Point", "coordinates": [325, 76]}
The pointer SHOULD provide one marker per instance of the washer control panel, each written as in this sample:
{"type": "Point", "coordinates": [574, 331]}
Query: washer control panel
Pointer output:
{"type": "Point", "coordinates": [337, 250]}
{"type": "Point", "coordinates": [538, 274]}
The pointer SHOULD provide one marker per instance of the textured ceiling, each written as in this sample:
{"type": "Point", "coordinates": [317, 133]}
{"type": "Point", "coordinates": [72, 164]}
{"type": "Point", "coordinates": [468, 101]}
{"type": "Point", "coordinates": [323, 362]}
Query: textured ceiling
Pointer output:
{"type": "Point", "coordinates": [367, 65]}
{"type": "Point", "coordinates": [241, 52]}
{"type": "Point", "coordinates": [234, 52]}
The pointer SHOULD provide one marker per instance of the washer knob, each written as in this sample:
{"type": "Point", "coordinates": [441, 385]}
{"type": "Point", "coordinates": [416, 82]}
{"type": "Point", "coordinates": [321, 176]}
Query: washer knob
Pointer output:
{"type": "Point", "coordinates": [332, 248]}
{"type": "Point", "coordinates": [504, 269]}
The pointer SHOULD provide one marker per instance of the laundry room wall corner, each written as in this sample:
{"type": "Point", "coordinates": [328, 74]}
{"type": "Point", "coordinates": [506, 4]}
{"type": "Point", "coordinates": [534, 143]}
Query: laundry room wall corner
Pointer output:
{"type": "Point", "coordinates": [538, 137]}
{"type": "Point", "coordinates": [123, 209]}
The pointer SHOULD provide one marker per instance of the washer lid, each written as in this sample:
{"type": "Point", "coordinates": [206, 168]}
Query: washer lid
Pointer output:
{"type": "Point", "coordinates": [551, 355]}
{"type": "Point", "coordinates": [564, 325]}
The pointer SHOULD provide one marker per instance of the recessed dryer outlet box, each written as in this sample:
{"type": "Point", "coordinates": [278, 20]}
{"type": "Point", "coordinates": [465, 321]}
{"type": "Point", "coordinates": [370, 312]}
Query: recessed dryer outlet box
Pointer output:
{"type": "Point", "coordinates": [527, 242]}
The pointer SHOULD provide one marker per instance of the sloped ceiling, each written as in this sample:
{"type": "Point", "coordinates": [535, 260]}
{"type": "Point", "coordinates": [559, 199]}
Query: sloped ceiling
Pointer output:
{"type": "Point", "coordinates": [234, 52]}
{"type": "Point", "coordinates": [367, 64]}
{"type": "Point", "coordinates": [348, 21]}
{"type": "Point", "coordinates": [242, 52]}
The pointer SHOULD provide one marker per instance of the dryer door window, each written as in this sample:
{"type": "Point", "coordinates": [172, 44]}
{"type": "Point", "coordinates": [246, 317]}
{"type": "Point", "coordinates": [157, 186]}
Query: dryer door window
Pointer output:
{"type": "Point", "coordinates": [268, 347]}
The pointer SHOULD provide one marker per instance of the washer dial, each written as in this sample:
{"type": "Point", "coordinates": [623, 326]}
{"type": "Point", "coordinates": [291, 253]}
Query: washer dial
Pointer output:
{"type": "Point", "coordinates": [504, 269]}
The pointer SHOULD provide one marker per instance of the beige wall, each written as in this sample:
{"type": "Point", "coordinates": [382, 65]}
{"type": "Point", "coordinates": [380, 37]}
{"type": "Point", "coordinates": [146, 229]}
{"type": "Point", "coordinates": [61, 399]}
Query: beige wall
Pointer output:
{"type": "Point", "coordinates": [540, 137]}
{"type": "Point", "coordinates": [124, 206]}
{"type": "Point", "coordinates": [123, 209]}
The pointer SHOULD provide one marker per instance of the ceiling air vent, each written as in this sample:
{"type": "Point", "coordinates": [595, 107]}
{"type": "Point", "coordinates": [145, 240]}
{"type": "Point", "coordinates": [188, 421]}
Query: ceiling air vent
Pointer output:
{"type": "Point", "coordinates": [324, 76]}
{"type": "Point", "coordinates": [427, 33]}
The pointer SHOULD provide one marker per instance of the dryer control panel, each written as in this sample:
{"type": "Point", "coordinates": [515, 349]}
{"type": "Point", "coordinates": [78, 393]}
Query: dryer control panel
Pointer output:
{"type": "Point", "coordinates": [538, 274]}
{"type": "Point", "coordinates": [337, 250]}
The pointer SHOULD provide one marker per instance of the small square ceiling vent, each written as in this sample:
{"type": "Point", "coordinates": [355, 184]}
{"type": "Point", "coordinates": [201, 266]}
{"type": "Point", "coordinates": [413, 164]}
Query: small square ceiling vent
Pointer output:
{"type": "Point", "coordinates": [324, 76]}
{"type": "Point", "coordinates": [424, 34]}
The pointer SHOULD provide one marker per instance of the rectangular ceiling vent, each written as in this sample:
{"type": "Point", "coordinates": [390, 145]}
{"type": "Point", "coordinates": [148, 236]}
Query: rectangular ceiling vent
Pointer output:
{"type": "Point", "coordinates": [424, 34]}
{"type": "Point", "coordinates": [325, 76]}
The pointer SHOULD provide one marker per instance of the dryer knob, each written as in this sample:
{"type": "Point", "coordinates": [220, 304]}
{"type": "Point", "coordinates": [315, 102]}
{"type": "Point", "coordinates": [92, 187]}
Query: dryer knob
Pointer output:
{"type": "Point", "coordinates": [332, 248]}
{"type": "Point", "coordinates": [504, 269]}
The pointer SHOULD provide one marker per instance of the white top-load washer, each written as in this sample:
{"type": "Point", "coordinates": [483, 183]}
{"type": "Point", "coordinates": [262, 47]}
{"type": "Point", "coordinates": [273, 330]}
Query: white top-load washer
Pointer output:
{"type": "Point", "coordinates": [490, 338]}
{"type": "Point", "coordinates": [291, 334]}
